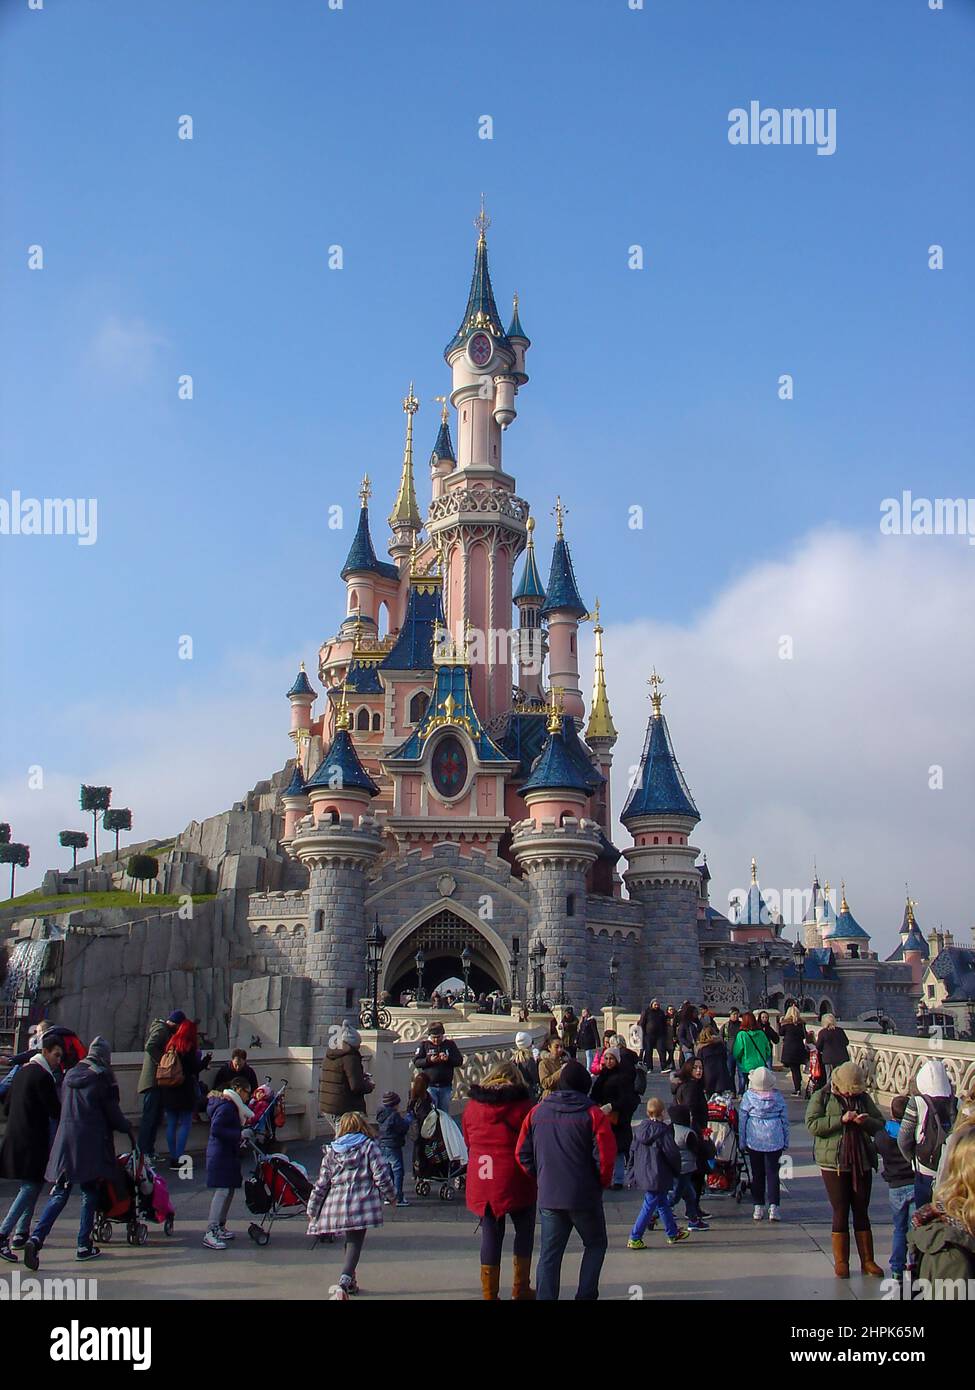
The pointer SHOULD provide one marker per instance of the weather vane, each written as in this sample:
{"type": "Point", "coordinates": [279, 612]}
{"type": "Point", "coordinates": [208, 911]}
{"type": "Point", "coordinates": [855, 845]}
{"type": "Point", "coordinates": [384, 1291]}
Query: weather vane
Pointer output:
{"type": "Point", "coordinates": [482, 221]}
{"type": "Point", "coordinates": [655, 682]}
{"type": "Point", "coordinates": [365, 489]}
{"type": "Point", "coordinates": [559, 512]}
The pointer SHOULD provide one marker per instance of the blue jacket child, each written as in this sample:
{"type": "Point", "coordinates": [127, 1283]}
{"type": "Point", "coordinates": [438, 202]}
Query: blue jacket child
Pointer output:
{"type": "Point", "coordinates": [655, 1157]}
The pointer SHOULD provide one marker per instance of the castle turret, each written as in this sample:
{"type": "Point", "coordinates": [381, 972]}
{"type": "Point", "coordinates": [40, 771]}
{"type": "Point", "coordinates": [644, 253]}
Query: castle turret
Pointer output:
{"type": "Point", "coordinates": [662, 875]}
{"type": "Point", "coordinates": [563, 608]}
{"type": "Point", "coordinates": [443, 460]}
{"type": "Point", "coordinates": [811, 921]}
{"type": "Point", "coordinates": [601, 732]}
{"type": "Point", "coordinates": [846, 936]}
{"type": "Point", "coordinates": [752, 919]}
{"type": "Point", "coordinates": [301, 697]}
{"type": "Point", "coordinates": [528, 599]}
{"type": "Point", "coordinates": [363, 572]}
{"type": "Point", "coordinates": [405, 521]}
{"type": "Point", "coordinates": [295, 802]}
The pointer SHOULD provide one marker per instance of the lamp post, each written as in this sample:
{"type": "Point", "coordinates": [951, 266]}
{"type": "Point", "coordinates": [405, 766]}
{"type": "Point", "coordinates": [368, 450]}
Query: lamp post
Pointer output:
{"type": "Point", "coordinates": [465, 966]}
{"type": "Point", "coordinates": [420, 960]}
{"type": "Point", "coordinates": [799, 960]}
{"type": "Point", "coordinates": [371, 1015]}
{"type": "Point", "coordinates": [922, 1019]}
{"type": "Point", "coordinates": [514, 962]}
{"type": "Point", "coordinates": [537, 956]}
{"type": "Point", "coordinates": [765, 956]}
{"type": "Point", "coordinates": [562, 964]}
{"type": "Point", "coordinates": [614, 972]}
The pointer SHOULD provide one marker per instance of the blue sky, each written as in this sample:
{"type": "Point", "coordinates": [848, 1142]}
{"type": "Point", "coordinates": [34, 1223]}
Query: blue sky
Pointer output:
{"type": "Point", "coordinates": [359, 127]}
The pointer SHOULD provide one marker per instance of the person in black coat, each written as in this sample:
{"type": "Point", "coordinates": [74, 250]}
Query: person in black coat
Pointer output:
{"type": "Point", "coordinates": [713, 1056]}
{"type": "Point", "coordinates": [614, 1089]}
{"type": "Point", "coordinates": [33, 1109]}
{"type": "Point", "coordinates": [833, 1045]}
{"type": "Point", "coordinates": [653, 1022]}
{"type": "Point", "coordinates": [793, 1034]}
{"type": "Point", "coordinates": [688, 1031]}
{"type": "Point", "coordinates": [83, 1151]}
{"type": "Point", "coordinates": [765, 1023]}
{"type": "Point", "coordinates": [228, 1072]}
{"type": "Point", "coordinates": [688, 1089]}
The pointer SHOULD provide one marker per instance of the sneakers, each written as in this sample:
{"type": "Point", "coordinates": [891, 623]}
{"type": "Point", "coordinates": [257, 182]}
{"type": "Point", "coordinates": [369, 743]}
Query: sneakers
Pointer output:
{"type": "Point", "coordinates": [87, 1252]}
{"type": "Point", "coordinates": [758, 1214]}
{"type": "Point", "coordinates": [31, 1252]}
{"type": "Point", "coordinates": [676, 1239]}
{"type": "Point", "coordinates": [698, 1226]}
{"type": "Point", "coordinates": [773, 1213]}
{"type": "Point", "coordinates": [403, 1202]}
{"type": "Point", "coordinates": [18, 1242]}
{"type": "Point", "coordinates": [6, 1253]}
{"type": "Point", "coordinates": [348, 1286]}
{"type": "Point", "coordinates": [212, 1241]}
{"type": "Point", "coordinates": [636, 1245]}
{"type": "Point", "coordinates": [224, 1234]}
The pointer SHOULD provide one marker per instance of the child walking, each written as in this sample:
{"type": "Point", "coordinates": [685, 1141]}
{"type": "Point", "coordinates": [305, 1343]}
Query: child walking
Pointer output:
{"type": "Point", "coordinates": [393, 1129]}
{"type": "Point", "coordinates": [691, 1160]}
{"type": "Point", "coordinates": [348, 1196]}
{"type": "Point", "coordinates": [898, 1174]}
{"type": "Point", "coordinates": [656, 1163]}
{"type": "Point", "coordinates": [228, 1112]}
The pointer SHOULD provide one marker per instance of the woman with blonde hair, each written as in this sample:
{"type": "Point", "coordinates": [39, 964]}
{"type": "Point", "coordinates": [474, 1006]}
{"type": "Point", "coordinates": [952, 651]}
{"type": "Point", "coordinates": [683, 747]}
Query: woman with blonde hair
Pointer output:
{"type": "Point", "coordinates": [348, 1196]}
{"type": "Point", "coordinates": [842, 1119]}
{"type": "Point", "coordinates": [944, 1232]}
{"type": "Point", "coordinates": [496, 1186]}
{"type": "Point", "coordinates": [793, 1034]}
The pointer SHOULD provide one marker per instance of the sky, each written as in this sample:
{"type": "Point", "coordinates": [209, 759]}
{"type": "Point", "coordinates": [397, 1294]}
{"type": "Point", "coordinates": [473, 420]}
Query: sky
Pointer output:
{"type": "Point", "coordinates": [654, 388]}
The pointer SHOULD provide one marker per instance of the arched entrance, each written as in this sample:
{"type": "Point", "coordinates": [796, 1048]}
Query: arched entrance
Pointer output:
{"type": "Point", "coordinates": [443, 937]}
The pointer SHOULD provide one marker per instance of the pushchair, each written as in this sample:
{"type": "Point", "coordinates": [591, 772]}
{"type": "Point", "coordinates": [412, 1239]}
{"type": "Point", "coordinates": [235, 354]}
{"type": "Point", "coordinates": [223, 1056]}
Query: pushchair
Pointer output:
{"type": "Point", "coordinates": [278, 1189]}
{"type": "Point", "coordinates": [269, 1115]}
{"type": "Point", "coordinates": [137, 1196]}
{"type": "Point", "coordinates": [730, 1173]}
{"type": "Point", "coordinates": [439, 1156]}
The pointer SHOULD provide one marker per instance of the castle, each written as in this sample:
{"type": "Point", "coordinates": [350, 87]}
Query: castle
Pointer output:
{"type": "Point", "coordinates": [453, 787]}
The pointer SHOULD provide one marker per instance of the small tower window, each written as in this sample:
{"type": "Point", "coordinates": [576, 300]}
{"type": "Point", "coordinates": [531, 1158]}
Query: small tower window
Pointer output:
{"type": "Point", "coordinates": [572, 641]}
{"type": "Point", "coordinates": [362, 721]}
{"type": "Point", "coordinates": [377, 722]}
{"type": "Point", "coordinates": [349, 996]}
{"type": "Point", "coordinates": [570, 904]}
{"type": "Point", "coordinates": [418, 706]}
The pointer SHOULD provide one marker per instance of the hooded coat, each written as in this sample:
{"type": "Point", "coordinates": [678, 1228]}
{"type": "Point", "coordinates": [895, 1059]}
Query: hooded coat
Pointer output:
{"type": "Point", "coordinates": [32, 1107]}
{"type": "Point", "coordinates": [83, 1149]}
{"type": "Point", "coordinates": [824, 1120]}
{"type": "Point", "coordinates": [352, 1183]}
{"type": "Point", "coordinates": [157, 1039]}
{"type": "Point", "coordinates": [343, 1086]}
{"type": "Point", "coordinates": [935, 1091]}
{"type": "Point", "coordinates": [763, 1121]}
{"type": "Point", "coordinates": [655, 1157]}
{"type": "Point", "coordinates": [714, 1059]}
{"type": "Point", "coordinates": [226, 1114]}
{"type": "Point", "coordinates": [566, 1143]}
{"type": "Point", "coordinates": [491, 1123]}
{"type": "Point", "coordinates": [945, 1249]}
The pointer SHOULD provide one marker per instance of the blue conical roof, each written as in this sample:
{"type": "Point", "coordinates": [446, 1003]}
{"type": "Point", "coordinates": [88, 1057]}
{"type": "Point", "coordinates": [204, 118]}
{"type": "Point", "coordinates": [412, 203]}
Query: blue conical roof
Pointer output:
{"type": "Point", "coordinates": [302, 685]}
{"type": "Point", "coordinates": [661, 789]}
{"type": "Point", "coordinates": [481, 311]}
{"type": "Point", "coordinates": [341, 770]}
{"type": "Point", "coordinates": [530, 585]}
{"type": "Point", "coordinates": [562, 593]}
{"type": "Point", "coordinates": [362, 556]}
{"type": "Point", "coordinates": [562, 765]}
{"type": "Point", "coordinates": [444, 448]}
{"type": "Point", "coordinates": [296, 787]}
{"type": "Point", "coordinates": [846, 928]}
{"type": "Point", "coordinates": [515, 329]}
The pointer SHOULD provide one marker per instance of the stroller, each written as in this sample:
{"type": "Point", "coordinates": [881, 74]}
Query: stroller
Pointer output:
{"type": "Point", "coordinates": [440, 1156]}
{"type": "Point", "coordinates": [730, 1172]}
{"type": "Point", "coordinates": [278, 1188]}
{"type": "Point", "coordinates": [269, 1115]}
{"type": "Point", "coordinates": [136, 1196]}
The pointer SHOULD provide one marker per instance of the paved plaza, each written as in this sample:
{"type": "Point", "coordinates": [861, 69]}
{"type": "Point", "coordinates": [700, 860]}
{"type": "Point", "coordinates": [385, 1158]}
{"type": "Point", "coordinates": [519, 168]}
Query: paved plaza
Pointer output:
{"type": "Point", "coordinates": [430, 1250]}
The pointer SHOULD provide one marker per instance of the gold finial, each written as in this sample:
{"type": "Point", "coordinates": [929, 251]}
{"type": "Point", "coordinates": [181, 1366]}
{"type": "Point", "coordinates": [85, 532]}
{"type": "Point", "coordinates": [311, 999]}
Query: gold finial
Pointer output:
{"type": "Point", "coordinates": [559, 512]}
{"type": "Point", "coordinates": [301, 665]}
{"type": "Point", "coordinates": [343, 720]}
{"type": "Point", "coordinates": [655, 682]}
{"type": "Point", "coordinates": [482, 222]}
{"type": "Point", "coordinates": [554, 725]}
{"type": "Point", "coordinates": [844, 905]}
{"type": "Point", "coordinates": [514, 299]}
{"type": "Point", "coordinates": [911, 905]}
{"type": "Point", "coordinates": [530, 525]}
{"type": "Point", "coordinates": [600, 720]}
{"type": "Point", "coordinates": [405, 513]}
{"type": "Point", "coordinates": [444, 413]}
{"type": "Point", "coordinates": [365, 490]}
{"type": "Point", "coordinates": [754, 870]}
{"type": "Point", "coordinates": [826, 890]}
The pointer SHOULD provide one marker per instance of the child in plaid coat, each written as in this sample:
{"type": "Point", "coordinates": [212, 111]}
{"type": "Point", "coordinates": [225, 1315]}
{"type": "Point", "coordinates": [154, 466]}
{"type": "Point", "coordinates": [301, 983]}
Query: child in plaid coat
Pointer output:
{"type": "Point", "coordinates": [348, 1196]}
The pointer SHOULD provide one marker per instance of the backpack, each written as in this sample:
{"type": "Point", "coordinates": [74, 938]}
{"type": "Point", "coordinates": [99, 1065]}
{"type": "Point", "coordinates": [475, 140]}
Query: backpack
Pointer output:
{"type": "Point", "coordinates": [932, 1135]}
{"type": "Point", "coordinates": [640, 1079]}
{"type": "Point", "coordinates": [169, 1072]}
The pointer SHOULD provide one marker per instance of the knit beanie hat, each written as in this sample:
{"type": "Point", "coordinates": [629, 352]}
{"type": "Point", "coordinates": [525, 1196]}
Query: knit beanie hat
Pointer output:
{"type": "Point", "coordinates": [348, 1034]}
{"type": "Point", "coordinates": [847, 1080]}
{"type": "Point", "coordinates": [391, 1098]}
{"type": "Point", "coordinates": [761, 1079]}
{"type": "Point", "coordinates": [574, 1077]}
{"type": "Point", "coordinates": [177, 1017]}
{"type": "Point", "coordinates": [523, 1039]}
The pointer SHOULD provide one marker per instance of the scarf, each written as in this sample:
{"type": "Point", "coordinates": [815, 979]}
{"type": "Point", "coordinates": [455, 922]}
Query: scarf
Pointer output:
{"type": "Point", "coordinates": [40, 1060]}
{"type": "Point", "coordinates": [854, 1151]}
{"type": "Point", "coordinates": [244, 1111]}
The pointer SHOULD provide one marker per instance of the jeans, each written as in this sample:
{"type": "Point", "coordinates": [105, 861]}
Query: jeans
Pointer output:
{"type": "Point", "coordinates": [151, 1115]}
{"type": "Point", "coordinates": [619, 1168]}
{"type": "Point", "coordinates": [923, 1189]}
{"type": "Point", "coordinates": [765, 1177]}
{"type": "Point", "coordinates": [741, 1081]}
{"type": "Point", "coordinates": [55, 1205]}
{"type": "Point", "coordinates": [685, 1189]}
{"type": "Point", "coordinates": [654, 1204]}
{"type": "Point", "coordinates": [17, 1220]}
{"type": "Point", "coordinates": [557, 1226]}
{"type": "Point", "coordinates": [901, 1200]}
{"type": "Point", "coordinates": [178, 1131]}
{"type": "Point", "coordinates": [492, 1234]}
{"type": "Point", "coordinates": [589, 1054]}
{"type": "Point", "coordinates": [394, 1157]}
{"type": "Point", "coordinates": [440, 1095]}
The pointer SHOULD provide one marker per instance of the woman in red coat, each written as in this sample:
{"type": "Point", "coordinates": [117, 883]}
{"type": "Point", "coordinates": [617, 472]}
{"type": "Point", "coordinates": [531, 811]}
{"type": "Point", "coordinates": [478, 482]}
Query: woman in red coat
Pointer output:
{"type": "Point", "coordinates": [496, 1186]}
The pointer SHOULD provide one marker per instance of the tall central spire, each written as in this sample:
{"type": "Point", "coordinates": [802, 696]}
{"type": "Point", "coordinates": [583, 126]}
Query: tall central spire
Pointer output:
{"type": "Point", "coordinates": [600, 720]}
{"type": "Point", "coordinates": [405, 518]}
{"type": "Point", "coordinates": [482, 311]}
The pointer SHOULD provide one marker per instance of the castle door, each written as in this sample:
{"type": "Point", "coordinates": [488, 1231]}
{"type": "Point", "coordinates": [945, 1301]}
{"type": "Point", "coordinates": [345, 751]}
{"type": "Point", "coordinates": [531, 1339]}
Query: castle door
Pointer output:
{"type": "Point", "coordinates": [442, 938]}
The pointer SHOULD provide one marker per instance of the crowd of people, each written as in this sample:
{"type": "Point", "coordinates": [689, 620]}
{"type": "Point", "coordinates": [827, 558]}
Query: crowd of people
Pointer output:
{"type": "Point", "coordinates": [544, 1135]}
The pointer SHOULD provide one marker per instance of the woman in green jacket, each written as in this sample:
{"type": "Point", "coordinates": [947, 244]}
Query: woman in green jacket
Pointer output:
{"type": "Point", "coordinates": [752, 1047]}
{"type": "Point", "coordinates": [842, 1119]}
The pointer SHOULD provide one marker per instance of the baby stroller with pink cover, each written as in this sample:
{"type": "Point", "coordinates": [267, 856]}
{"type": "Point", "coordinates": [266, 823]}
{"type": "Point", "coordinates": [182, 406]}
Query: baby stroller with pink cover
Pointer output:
{"type": "Point", "coordinates": [137, 1196]}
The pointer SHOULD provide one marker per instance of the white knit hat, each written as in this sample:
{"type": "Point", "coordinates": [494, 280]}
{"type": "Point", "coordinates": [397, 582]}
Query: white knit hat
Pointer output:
{"type": "Point", "coordinates": [761, 1079]}
{"type": "Point", "coordinates": [523, 1039]}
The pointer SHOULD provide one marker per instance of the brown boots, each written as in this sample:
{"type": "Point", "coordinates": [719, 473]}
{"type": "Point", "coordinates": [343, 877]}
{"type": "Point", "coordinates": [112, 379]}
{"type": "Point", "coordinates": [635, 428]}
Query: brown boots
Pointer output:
{"type": "Point", "coordinates": [868, 1264]}
{"type": "Point", "coordinates": [841, 1255]}
{"type": "Point", "coordinates": [490, 1281]}
{"type": "Point", "coordinates": [521, 1289]}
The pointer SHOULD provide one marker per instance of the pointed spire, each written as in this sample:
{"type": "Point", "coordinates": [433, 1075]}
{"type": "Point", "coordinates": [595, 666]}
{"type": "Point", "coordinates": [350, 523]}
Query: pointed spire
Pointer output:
{"type": "Point", "coordinates": [482, 311]}
{"type": "Point", "coordinates": [754, 870]}
{"type": "Point", "coordinates": [530, 585]}
{"type": "Point", "coordinates": [844, 905]}
{"type": "Point", "coordinates": [362, 554]}
{"type": "Point", "coordinates": [515, 329]}
{"type": "Point", "coordinates": [656, 698]}
{"type": "Point", "coordinates": [600, 720]}
{"type": "Point", "coordinates": [405, 514]}
{"type": "Point", "coordinates": [555, 710]}
{"type": "Point", "coordinates": [302, 685]}
{"type": "Point", "coordinates": [562, 593]}
{"type": "Point", "coordinates": [443, 449]}
{"type": "Point", "coordinates": [660, 789]}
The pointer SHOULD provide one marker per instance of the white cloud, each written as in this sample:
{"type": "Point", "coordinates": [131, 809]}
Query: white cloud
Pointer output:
{"type": "Point", "coordinates": [124, 349]}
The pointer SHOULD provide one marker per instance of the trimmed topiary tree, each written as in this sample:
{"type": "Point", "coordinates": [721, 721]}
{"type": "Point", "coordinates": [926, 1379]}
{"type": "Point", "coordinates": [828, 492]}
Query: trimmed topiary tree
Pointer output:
{"type": "Point", "coordinates": [17, 856]}
{"type": "Point", "coordinates": [95, 799]}
{"type": "Point", "coordinates": [143, 867]}
{"type": "Point", "coordinates": [119, 818]}
{"type": "Point", "coordinates": [73, 840]}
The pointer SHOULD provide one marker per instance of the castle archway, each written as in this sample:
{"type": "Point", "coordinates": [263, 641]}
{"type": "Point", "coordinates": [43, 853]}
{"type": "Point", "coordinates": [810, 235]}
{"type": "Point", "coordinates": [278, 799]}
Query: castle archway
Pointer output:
{"type": "Point", "coordinates": [442, 936]}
